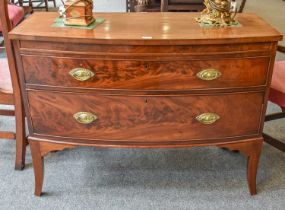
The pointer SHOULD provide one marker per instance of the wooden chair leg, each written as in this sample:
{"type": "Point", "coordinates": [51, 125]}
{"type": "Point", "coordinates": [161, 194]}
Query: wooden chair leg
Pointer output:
{"type": "Point", "coordinates": [31, 6]}
{"type": "Point", "coordinates": [242, 6]}
{"type": "Point", "coordinates": [164, 6]}
{"type": "Point", "coordinates": [21, 140]}
{"type": "Point", "coordinates": [38, 163]}
{"type": "Point", "coordinates": [274, 142]}
{"type": "Point", "coordinates": [46, 5]}
{"type": "Point", "coordinates": [20, 3]}
{"type": "Point", "coordinates": [269, 139]}
{"type": "Point", "coordinates": [7, 135]}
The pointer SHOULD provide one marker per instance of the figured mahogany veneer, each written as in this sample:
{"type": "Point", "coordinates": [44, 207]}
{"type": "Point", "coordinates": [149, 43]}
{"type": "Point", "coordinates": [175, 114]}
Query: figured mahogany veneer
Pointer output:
{"type": "Point", "coordinates": [144, 91]}
{"type": "Point", "coordinates": [147, 29]}
{"type": "Point", "coordinates": [139, 50]}
{"type": "Point", "coordinates": [144, 74]}
{"type": "Point", "coordinates": [145, 118]}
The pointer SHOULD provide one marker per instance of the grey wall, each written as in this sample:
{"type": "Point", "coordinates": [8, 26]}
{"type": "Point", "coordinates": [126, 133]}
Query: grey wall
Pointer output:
{"type": "Point", "coordinates": [109, 5]}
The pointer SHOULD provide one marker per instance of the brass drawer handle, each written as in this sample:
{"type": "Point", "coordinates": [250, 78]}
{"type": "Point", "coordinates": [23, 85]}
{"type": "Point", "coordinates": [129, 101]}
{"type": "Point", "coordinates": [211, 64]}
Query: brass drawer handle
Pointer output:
{"type": "Point", "coordinates": [81, 74]}
{"type": "Point", "coordinates": [208, 118]}
{"type": "Point", "coordinates": [85, 117]}
{"type": "Point", "coordinates": [209, 74]}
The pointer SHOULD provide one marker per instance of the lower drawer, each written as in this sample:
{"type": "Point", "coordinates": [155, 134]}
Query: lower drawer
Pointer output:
{"type": "Point", "coordinates": [145, 118]}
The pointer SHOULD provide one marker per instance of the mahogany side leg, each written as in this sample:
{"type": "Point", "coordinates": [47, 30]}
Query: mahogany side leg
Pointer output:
{"type": "Point", "coordinates": [21, 140]}
{"type": "Point", "coordinates": [38, 163]}
{"type": "Point", "coordinates": [39, 149]}
{"type": "Point", "coordinates": [252, 149]}
{"type": "Point", "coordinates": [252, 165]}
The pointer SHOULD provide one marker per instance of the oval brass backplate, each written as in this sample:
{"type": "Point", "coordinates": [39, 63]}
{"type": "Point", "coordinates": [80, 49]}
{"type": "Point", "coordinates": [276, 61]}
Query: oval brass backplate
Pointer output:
{"type": "Point", "coordinates": [208, 118]}
{"type": "Point", "coordinates": [81, 74]}
{"type": "Point", "coordinates": [209, 74]}
{"type": "Point", "coordinates": [85, 117]}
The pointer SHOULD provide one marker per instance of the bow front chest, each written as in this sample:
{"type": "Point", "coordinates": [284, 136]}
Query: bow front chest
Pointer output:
{"type": "Point", "coordinates": [146, 81]}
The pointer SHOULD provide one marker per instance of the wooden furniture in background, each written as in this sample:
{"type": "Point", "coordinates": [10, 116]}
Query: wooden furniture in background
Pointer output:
{"type": "Point", "coordinates": [41, 4]}
{"type": "Point", "coordinates": [16, 15]}
{"type": "Point", "coordinates": [277, 96]}
{"type": "Point", "coordinates": [136, 6]}
{"type": "Point", "coordinates": [161, 82]}
{"type": "Point", "coordinates": [182, 5]}
{"type": "Point", "coordinates": [173, 6]}
{"type": "Point", "coordinates": [27, 8]}
{"type": "Point", "coordinates": [242, 5]}
{"type": "Point", "coordinates": [35, 4]}
{"type": "Point", "coordinates": [10, 91]}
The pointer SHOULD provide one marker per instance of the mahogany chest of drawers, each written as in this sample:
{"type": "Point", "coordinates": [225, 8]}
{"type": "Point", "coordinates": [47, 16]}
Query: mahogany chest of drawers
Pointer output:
{"type": "Point", "coordinates": [147, 81]}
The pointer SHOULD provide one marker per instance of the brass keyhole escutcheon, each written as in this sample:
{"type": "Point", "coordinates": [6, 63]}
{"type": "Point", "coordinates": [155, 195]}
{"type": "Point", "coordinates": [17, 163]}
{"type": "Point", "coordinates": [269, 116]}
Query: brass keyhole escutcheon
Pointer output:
{"type": "Point", "coordinates": [146, 66]}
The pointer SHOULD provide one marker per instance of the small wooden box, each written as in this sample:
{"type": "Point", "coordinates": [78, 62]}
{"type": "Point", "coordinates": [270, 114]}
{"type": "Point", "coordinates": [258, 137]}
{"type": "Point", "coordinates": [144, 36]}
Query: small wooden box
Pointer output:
{"type": "Point", "coordinates": [78, 13]}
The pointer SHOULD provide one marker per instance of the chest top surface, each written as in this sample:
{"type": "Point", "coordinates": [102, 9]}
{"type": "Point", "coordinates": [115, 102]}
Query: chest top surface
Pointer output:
{"type": "Point", "coordinates": [150, 28]}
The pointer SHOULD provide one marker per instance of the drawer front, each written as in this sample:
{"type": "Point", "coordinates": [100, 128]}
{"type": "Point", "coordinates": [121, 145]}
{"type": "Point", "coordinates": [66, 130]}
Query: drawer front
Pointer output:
{"type": "Point", "coordinates": [145, 75]}
{"type": "Point", "coordinates": [145, 118]}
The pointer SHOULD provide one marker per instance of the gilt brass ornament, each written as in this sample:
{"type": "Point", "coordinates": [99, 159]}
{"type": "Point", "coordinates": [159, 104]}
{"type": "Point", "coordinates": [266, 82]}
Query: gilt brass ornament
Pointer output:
{"type": "Point", "coordinates": [220, 13]}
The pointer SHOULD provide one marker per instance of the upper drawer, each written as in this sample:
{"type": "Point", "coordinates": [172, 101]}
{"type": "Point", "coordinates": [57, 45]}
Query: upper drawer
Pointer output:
{"type": "Point", "coordinates": [145, 74]}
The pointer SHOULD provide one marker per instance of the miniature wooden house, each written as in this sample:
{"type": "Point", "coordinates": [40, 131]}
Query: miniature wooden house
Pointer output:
{"type": "Point", "coordinates": [78, 12]}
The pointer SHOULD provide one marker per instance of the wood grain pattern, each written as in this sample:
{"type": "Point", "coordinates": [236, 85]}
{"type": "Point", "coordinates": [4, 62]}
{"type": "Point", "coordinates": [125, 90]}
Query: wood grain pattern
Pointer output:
{"type": "Point", "coordinates": [7, 112]}
{"type": "Point", "coordinates": [7, 99]}
{"type": "Point", "coordinates": [145, 93]}
{"type": "Point", "coordinates": [38, 164]}
{"type": "Point", "coordinates": [7, 135]}
{"type": "Point", "coordinates": [105, 50]}
{"type": "Point", "coordinates": [145, 118]}
{"type": "Point", "coordinates": [144, 74]}
{"type": "Point", "coordinates": [12, 96]}
{"type": "Point", "coordinates": [168, 28]}
{"type": "Point", "coordinates": [252, 149]}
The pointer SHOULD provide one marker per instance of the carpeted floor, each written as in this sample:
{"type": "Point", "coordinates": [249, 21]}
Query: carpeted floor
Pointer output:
{"type": "Point", "coordinates": [199, 178]}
